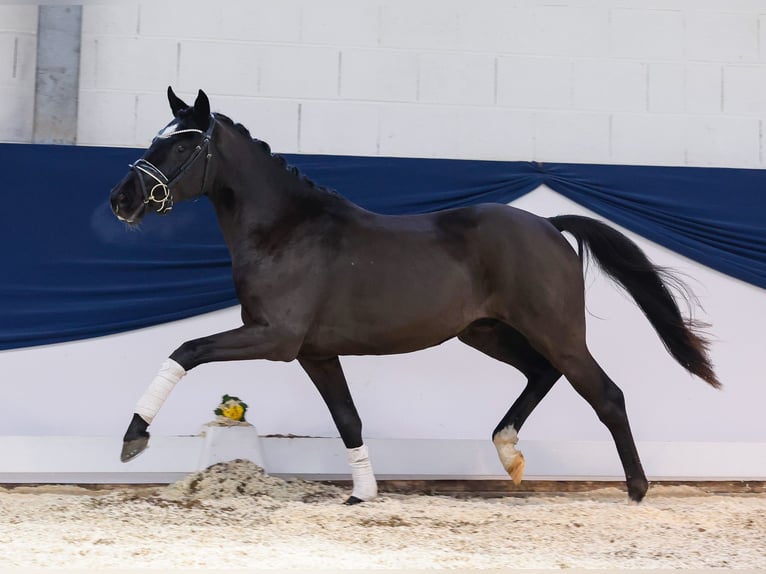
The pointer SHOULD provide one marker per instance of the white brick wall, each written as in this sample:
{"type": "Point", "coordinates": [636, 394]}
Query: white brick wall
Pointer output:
{"type": "Point", "coordinates": [18, 48]}
{"type": "Point", "coordinates": [674, 82]}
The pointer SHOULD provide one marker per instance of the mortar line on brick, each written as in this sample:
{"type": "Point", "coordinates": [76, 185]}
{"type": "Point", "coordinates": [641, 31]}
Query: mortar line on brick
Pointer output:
{"type": "Point", "coordinates": [15, 56]}
{"type": "Point", "coordinates": [722, 90]}
{"type": "Point", "coordinates": [300, 116]}
{"type": "Point", "coordinates": [178, 63]}
{"type": "Point", "coordinates": [611, 146]}
{"type": "Point", "coordinates": [340, 69]}
{"type": "Point", "coordinates": [648, 87]}
{"type": "Point", "coordinates": [138, 22]}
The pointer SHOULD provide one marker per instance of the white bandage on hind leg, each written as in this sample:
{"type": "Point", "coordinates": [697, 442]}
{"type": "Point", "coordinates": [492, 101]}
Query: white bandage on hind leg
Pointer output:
{"type": "Point", "coordinates": [365, 486]}
{"type": "Point", "coordinates": [153, 398]}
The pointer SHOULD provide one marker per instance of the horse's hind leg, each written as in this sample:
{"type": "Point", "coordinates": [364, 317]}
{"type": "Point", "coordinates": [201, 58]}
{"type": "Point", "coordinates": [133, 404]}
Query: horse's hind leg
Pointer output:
{"type": "Point", "coordinates": [506, 344]}
{"type": "Point", "coordinates": [567, 350]}
{"type": "Point", "coordinates": [327, 375]}
{"type": "Point", "coordinates": [606, 398]}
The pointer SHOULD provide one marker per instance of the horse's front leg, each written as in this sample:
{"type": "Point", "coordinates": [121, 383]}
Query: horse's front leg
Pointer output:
{"type": "Point", "coordinates": [328, 377]}
{"type": "Point", "coordinates": [248, 342]}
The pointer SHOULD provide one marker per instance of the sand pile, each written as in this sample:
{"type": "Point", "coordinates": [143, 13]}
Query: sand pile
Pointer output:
{"type": "Point", "coordinates": [242, 478]}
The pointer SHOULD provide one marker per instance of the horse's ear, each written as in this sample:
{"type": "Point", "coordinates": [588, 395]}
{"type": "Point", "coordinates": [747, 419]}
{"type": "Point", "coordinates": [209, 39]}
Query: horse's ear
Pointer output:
{"type": "Point", "coordinates": [176, 103]}
{"type": "Point", "coordinates": [202, 110]}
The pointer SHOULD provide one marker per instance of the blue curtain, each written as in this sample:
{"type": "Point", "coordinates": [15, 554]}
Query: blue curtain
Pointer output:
{"type": "Point", "coordinates": [70, 270]}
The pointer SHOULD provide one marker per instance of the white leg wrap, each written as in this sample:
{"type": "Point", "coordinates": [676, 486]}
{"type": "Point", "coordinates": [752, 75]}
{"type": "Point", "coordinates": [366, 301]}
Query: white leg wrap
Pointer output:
{"type": "Point", "coordinates": [365, 486]}
{"type": "Point", "coordinates": [159, 389]}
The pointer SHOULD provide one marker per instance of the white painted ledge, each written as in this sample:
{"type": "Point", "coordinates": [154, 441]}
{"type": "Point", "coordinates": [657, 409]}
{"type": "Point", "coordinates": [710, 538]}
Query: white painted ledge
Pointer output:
{"type": "Point", "coordinates": [83, 459]}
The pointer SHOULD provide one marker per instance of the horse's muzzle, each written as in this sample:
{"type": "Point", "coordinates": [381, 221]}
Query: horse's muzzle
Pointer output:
{"type": "Point", "coordinates": [126, 201]}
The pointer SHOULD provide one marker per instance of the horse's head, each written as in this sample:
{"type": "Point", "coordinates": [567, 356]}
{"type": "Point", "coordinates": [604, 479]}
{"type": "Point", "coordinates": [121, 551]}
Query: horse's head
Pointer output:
{"type": "Point", "coordinates": [174, 168]}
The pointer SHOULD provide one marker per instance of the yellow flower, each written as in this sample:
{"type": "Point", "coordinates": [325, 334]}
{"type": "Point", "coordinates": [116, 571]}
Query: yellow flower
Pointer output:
{"type": "Point", "coordinates": [233, 412]}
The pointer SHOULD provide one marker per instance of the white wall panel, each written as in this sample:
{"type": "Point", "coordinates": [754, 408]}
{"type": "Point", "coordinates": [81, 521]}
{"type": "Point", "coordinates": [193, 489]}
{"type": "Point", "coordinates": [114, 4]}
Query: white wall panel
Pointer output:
{"type": "Point", "coordinates": [456, 79]}
{"type": "Point", "coordinates": [340, 128]}
{"type": "Point", "coordinates": [571, 137]}
{"type": "Point", "coordinates": [743, 90]}
{"type": "Point", "coordinates": [666, 88]}
{"type": "Point", "coordinates": [569, 29]}
{"type": "Point", "coordinates": [18, 57]}
{"type": "Point", "coordinates": [380, 75]}
{"type": "Point", "coordinates": [722, 36]}
{"type": "Point", "coordinates": [298, 71]}
{"type": "Point", "coordinates": [736, 141]}
{"type": "Point", "coordinates": [609, 85]}
{"type": "Point", "coordinates": [639, 33]}
{"type": "Point", "coordinates": [534, 82]}
{"type": "Point", "coordinates": [648, 139]}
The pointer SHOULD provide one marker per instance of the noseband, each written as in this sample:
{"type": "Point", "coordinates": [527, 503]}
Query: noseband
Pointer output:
{"type": "Point", "coordinates": [164, 198]}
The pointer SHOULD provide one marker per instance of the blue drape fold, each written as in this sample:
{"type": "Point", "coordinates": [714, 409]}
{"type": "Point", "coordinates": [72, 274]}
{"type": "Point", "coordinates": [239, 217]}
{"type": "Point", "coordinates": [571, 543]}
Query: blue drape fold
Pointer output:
{"type": "Point", "coordinates": [70, 270]}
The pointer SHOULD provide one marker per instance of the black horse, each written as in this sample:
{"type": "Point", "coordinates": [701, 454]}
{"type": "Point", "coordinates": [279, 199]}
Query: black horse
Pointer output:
{"type": "Point", "coordinates": [319, 277]}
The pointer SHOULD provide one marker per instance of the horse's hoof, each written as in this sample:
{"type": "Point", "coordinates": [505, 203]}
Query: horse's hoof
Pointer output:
{"type": "Point", "coordinates": [516, 468]}
{"type": "Point", "coordinates": [353, 500]}
{"type": "Point", "coordinates": [637, 489]}
{"type": "Point", "coordinates": [132, 448]}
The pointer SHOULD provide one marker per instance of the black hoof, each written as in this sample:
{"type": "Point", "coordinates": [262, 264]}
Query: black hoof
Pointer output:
{"type": "Point", "coordinates": [637, 490]}
{"type": "Point", "coordinates": [353, 500]}
{"type": "Point", "coordinates": [132, 448]}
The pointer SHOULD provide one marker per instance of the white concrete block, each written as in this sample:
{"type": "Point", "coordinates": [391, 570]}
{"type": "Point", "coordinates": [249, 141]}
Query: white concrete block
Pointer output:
{"type": "Point", "coordinates": [343, 128]}
{"type": "Point", "coordinates": [495, 27]}
{"type": "Point", "coordinates": [647, 34]}
{"type": "Point", "coordinates": [456, 79]}
{"type": "Point", "coordinates": [606, 85]}
{"type": "Point", "coordinates": [299, 71]}
{"type": "Point", "coordinates": [667, 92]}
{"type": "Point", "coordinates": [530, 82]}
{"type": "Point", "coordinates": [18, 57]}
{"type": "Point", "coordinates": [418, 131]}
{"type": "Point", "coordinates": [571, 29]}
{"type": "Point", "coordinates": [704, 88]}
{"type": "Point", "coordinates": [496, 134]}
{"type": "Point", "coordinates": [721, 36]}
{"type": "Point", "coordinates": [128, 63]}
{"type": "Point", "coordinates": [571, 137]}
{"type": "Point", "coordinates": [220, 67]}
{"type": "Point", "coordinates": [744, 90]}
{"type": "Point", "coordinates": [176, 21]}
{"type": "Point", "coordinates": [644, 139]}
{"type": "Point", "coordinates": [762, 37]}
{"type": "Point", "coordinates": [380, 75]}
{"type": "Point", "coordinates": [340, 23]}
{"type": "Point", "coordinates": [17, 113]}
{"type": "Point", "coordinates": [405, 24]}
{"type": "Point", "coordinates": [7, 57]}
{"type": "Point", "coordinates": [723, 142]}
{"type": "Point", "coordinates": [18, 18]}
{"type": "Point", "coordinates": [261, 21]}
{"type": "Point", "coordinates": [108, 118]}
{"type": "Point", "coordinates": [113, 19]}
{"type": "Point", "coordinates": [270, 120]}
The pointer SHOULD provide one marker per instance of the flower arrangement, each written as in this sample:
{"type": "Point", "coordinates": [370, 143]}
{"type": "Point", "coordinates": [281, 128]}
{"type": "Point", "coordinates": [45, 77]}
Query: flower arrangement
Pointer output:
{"type": "Point", "coordinates": [231, 409]}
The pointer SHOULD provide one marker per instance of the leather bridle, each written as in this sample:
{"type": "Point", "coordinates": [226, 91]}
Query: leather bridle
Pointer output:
{"type": "Point", "coordinates": [163, 183]}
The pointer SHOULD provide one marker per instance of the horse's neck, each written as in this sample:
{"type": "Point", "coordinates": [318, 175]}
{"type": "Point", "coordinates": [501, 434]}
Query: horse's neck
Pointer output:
{"type": "Point", "coordinates": [255, 198]}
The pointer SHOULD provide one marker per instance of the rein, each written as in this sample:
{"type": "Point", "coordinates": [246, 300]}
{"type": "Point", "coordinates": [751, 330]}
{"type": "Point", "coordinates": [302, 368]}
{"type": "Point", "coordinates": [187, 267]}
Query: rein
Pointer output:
{"type": "Point", "coordinates": [164, 197]}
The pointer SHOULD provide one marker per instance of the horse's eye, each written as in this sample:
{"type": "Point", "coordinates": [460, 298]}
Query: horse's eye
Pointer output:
{"type": "Point", "coordinates": [180, 148]}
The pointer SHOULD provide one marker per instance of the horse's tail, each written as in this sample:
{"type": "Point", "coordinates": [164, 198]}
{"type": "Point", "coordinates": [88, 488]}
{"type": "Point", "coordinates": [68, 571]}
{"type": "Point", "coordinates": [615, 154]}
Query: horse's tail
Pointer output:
{"type": "Point", "coordinates": [649, 285]}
